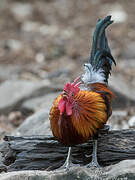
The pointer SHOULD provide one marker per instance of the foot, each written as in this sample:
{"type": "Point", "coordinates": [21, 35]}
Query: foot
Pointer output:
{"type": "Point", "coordinates": [93, 164]}
{"type": "Point", "coordinates": [67, 166]}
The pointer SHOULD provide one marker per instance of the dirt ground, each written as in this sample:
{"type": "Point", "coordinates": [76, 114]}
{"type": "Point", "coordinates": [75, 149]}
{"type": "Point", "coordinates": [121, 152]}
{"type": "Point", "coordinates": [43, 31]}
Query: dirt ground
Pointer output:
{"type": "Point", "coordinates": [60, 29]}
{"type": "Point", "coordinates": [52, 38]}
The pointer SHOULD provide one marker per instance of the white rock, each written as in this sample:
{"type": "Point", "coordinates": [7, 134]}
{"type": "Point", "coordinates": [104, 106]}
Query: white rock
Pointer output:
{"type": "Point", "coordinates": [14, 44]}
{"type": "Point", "coordinates": [118, 14]}
{"type": "Point", "coordinates": [40, 58]}
{"type": "Point", "coordinates": [131, 121]}
{"type": "Point", "coordinates": [119, 113]}
{"type": "Point", "coordinates": [48, 29]}
{"type": "Point", "coordinates": [124, 125]}
{"type": "Point", "coordinates": [21, 10]}
{"type": "Point", "coordinates": [124, 167]}
{"type": "Point", "coordinates": [29, 26]}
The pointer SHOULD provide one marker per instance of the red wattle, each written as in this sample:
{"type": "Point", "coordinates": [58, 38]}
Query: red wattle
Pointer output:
{"type": "Point", "coordinates": [68, 109]}
{"type": "Point", "coordinates": [61, 106]}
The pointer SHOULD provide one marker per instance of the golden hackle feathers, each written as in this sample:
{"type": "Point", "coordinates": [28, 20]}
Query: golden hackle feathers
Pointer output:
{"type": "Point", "coordinates": [89, 115]}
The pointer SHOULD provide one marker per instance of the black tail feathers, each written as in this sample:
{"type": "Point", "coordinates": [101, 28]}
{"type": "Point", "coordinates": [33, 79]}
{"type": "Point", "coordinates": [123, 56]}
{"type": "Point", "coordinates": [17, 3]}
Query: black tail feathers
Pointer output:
{"type": "Point", "coordinates": [101, 57]}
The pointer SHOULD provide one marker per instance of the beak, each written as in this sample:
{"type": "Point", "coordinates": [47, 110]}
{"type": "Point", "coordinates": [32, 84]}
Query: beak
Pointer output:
{"type": "Point", "coordinates": [64, 95]}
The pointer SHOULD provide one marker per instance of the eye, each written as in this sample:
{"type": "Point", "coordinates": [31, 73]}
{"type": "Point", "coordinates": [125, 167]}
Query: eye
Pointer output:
{"type": "Point", "coordinates": [72, 94]}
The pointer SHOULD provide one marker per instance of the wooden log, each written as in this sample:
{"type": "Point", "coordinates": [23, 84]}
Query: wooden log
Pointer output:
{"type": "Point", "coordinates": [45, 153]}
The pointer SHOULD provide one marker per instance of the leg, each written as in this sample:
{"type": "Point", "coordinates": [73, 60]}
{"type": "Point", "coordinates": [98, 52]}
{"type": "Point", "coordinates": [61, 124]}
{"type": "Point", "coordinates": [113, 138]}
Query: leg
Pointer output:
{"type": "Point", "coordinates": [68, 163]}
{"type": "Point", "coordinates": [68, 160]}
{"type": "Point", "coordinates": [94, 162]}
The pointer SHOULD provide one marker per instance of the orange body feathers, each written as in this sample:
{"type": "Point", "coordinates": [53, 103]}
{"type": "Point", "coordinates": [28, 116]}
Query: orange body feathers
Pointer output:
{"type": "Point", "coordinates": [89, 114]}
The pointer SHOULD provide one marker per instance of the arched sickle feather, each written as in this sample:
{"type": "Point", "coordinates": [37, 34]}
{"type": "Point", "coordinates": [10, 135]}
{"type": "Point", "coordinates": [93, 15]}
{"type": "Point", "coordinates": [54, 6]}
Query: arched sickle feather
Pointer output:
{"type": "Point", "coordinates": [101, 57]}
{"type": "Point", "coordinates": [99, 36]}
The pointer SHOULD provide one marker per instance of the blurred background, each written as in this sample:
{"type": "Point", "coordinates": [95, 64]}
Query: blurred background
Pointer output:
{"type": "Point", "coordinates": [44, 43]}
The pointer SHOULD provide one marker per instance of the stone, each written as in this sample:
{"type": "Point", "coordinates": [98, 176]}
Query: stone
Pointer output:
{"type": "Point", "coordinates": [37, 103]}
{"type": "Point", "coordinates": [131, 122]}
{"type": "Point", "coordinates": [118, 120]}
{"type": "Point", "coordinates": [15, 118]}
{"type": "Point", "coordinates": [129, 51]}
{"type": "Point", "coordinates": [9, 72]}
{"type": "Point", "coordinates": [37, 124]}
{"type": "Point", "coordinates": [40, 58]}
{"type": "Point", "coordinates": [49, 29]}
{"type": "Point", "coordinates": [14, 92]}
{"type": "Point", "coordinates": [29, 26]}
{"type": "Point", "coordinates": [119, 113]}
{"type": "Point", "coordinates": [118, 14]}
{"type": "Point", "coordinates": [13, 72]}
{"type": "Point", "coordinates": [124, 170]}
{"type": "Point", "coordinates": [121, 101]}
{"type": "Point", "coordinates": [14, 45]}
{"type": "Point", "coordinates": [122, 85]}
{"type": "Point", "coordinates": [21, 10]}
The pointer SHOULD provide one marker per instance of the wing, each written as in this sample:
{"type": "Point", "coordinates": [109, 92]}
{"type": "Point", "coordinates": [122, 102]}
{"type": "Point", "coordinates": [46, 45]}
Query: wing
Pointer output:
{"type": "Point", "coordinates": [89, 114]}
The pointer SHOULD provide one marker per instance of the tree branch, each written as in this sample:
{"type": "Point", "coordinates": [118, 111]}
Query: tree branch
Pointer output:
{"type": "Point", "coordinates": [44, 152]}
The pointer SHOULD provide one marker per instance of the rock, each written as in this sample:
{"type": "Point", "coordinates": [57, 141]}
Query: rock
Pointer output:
{"type": "Point", "coordinates": [13, 93]}
{"type": "Point", "coordinates": [119, 113]}
{"type": "Point", "coordinates": [5, 126]}
{"type": "Point", "coordinates": [121, 101]}
{"type": "Point", "coordinates": [120, 84]}
{"type": "Point", "coordinates": [129, 51]}
{"type": "Point", "coordinates": [131, 122]}
{"type": "Point", "coordinates": [118, 14]}
{"type": "Point", "coordinates": [21, 10]}
{"type": "Point", "coordinates": [14, 45]}
{"type": "Point", "coordinates": [118, 120]}
{"type": "Point", "coordinates": [40, 102]}
{"type": "Point", "coordinates": [124, 64]}
{"type": "Point", "coordinates": [9, 72]}
{"type": "Point", "coordinates": [37, 124]}
{"type": "Point", "coordinates": [49, 29]}
{"type": "Point", "coordinates": [40, 58]}
{"type": "Point", "coordinates": [15, 118]}
{"type": "Point", "coordinates": [124, 170]}
{"type": "Point", "coordinates": [29, 26]}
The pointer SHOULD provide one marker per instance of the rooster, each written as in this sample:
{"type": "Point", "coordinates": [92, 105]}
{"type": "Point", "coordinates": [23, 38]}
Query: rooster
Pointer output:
{"type": "Point", "coordinates": [78, 115]}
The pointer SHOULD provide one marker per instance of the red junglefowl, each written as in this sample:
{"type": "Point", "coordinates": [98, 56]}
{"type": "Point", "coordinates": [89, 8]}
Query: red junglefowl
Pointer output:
{"type": "Point", "coordinates": [77, 115]}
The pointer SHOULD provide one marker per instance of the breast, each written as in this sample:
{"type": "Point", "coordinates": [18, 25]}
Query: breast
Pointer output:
{"type": "Point", "coordinates": [62, 127]}
{"type": "Point", "coordinates": [87, 118]}
{"type": "Point", "coordinates": [68, 133]}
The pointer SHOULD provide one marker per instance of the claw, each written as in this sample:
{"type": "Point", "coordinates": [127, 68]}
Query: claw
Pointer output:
{"type": "Point", "coordinates": [68, 163]}
{"type": "Point", "coordinates": [94, 162]}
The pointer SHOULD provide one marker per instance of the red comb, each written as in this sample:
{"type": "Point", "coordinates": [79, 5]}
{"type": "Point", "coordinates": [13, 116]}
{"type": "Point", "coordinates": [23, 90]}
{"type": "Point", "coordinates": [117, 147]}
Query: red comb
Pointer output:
{"type": "Point", "coordinates": [74, 87]}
